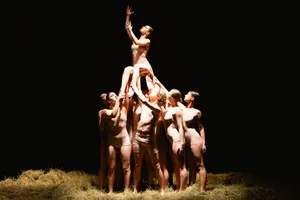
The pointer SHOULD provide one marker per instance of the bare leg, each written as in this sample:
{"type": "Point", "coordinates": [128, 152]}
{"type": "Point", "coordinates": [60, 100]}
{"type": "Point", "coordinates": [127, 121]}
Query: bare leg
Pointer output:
{"type": "Point", "coordinates": [202, 175]}
{"type": "Point", "coordinates": [119, 183]}
{"type": "Point", "coordinates": [176, 169]}
{"type": "Point", "coordinates": [201, 168]}
{"type": "Point", "coordinates": [162, 145]}
{"type": "Point", "coordinates": [125, 156]}
{"type": "Point", "coordinates": [170, 165]}
{"type": "Point", "coordinates": [163, 165]}
{"type": "Point", "coordinates": [128, 71]}
{"type": "Point", "coordinates": [150, 169]}
{"type": "Point", "coordinates": [111, 168]}
{"type": "Point", "coordinates": [158, 171]}
{"type": "Point", "coordinates": [139, 71]}
{"type": "Point", "coordinates": [199, 165]}
{"type": "Point", "coordinates": [192, 165]}
{"type": "Point", "coordinates": [150, 84]}
{"type": "Point", "coordinates": [103, 163]}
{"type": "Point", "coordinates": [179, 159]}
{"type": "Point", "coordinates": [138, 159]}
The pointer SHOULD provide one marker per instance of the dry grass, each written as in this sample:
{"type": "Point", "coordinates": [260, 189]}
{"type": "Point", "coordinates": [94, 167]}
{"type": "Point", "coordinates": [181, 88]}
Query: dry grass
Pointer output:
{"type": "Point", "coordinates": [77, 185]}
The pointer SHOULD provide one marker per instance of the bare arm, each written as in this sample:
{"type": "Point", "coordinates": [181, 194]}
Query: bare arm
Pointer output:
{"type": "Point", "coordinates": [128, 26]}
{"type": "Point", "coordinates": [198, 120]}
{"type": "Point", "coordinates": [146, 102]}
{"type": "Point", "coordinates": [136, 118]}
{"type": "Point", "coordinates": [202, 134]}
{"type": "Point", "coordinates": [202, 131]}
{"type": "Point", "coordinates": [181, 105]}
{"type": "Point", "coordinates": [151, 106]}
{"type": "Point", "coordinates": [157, 82]}
{"type": "Point", "coordinates": [100, 121]}
{"type": "Point", "coordinates": [125, 102]}
{"type": "Point", "coordinates": [179, 122]}
{"type": "Point", "coordinates": [116, 107]}
{"type": "Point", "coordinates": [141, 42]}
{"type": "Point", "coordinates": [135, 77]}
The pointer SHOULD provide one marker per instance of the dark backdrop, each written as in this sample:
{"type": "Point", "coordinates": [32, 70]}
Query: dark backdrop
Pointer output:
{"type": "Point", "coordinates": [59, 57]}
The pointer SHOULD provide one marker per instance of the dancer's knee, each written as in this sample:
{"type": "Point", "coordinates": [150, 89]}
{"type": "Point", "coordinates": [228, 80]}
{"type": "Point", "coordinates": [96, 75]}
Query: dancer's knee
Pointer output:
{"type": "Point", "coordinates": [128, 70]}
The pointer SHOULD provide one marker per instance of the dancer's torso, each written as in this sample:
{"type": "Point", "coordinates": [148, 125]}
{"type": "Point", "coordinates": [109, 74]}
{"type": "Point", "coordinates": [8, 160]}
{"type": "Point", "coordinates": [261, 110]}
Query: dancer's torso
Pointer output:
{"type": "Point", "coordinates": [139, 54]}
{"type": "Point", "coordinates": [146, 125]}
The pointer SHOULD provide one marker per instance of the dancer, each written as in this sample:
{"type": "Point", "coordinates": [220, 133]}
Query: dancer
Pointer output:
{"type": "Point", "coordinates": [173, 121]}
{"type": "Point", "coordinates": [118, 138]}
{"type": "Point", "coordinates": [164, 152]}
{"type": "Point", "coordinates": [195, 140]}
{"type": "Point", "coordinates": [140, 65]}
{"type": "Point", "coordinates": [144, 140]}
{"type": "Point", "coordinates": [103, 142]}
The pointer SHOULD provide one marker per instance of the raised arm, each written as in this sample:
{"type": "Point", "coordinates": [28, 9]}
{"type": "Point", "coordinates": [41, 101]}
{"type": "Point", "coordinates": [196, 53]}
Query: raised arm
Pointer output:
{"type": "Point", "coordinates": [161, 86]}
{"type": "Point", "coordinates": [125, 102]}
{"type": "Point", "coordinates": [117, 106]}
{"type": "Point", "coordinates": [128, 26]}
{"type": "Point", "coordinates": [147, 102]}
{"type": "Point", "coordinates": [127, 21]}
{"type": "Point", "coordinates": [151, 106]}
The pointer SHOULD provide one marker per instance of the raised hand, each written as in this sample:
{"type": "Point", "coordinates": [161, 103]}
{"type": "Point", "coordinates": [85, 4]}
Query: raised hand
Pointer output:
{"type": "Point", "coordinates": [128, 10]}
{"type": "Point", "coordinates": [128, 25]}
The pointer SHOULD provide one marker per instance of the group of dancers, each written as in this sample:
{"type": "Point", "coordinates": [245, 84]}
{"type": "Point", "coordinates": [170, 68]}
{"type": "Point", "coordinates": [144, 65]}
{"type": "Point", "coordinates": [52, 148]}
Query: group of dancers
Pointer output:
{"type": "Point", "coordinates": [150, 123]}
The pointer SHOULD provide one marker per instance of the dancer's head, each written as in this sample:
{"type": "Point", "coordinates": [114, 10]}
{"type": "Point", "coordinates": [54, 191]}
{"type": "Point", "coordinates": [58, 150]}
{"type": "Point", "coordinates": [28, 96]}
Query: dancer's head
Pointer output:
{"type": "Point", "coordinates": [174, 97]}
{"type": "Point", "coordinates": [111, 98]}
{"type": "Point", "coordinates": [146, 30]}
{"type": "Point", "coordinates": [162, 98]}
{"type": "Point", "coordinates": [103, 98]}
{"type": "Point", "coordinates": [190, 96]}
{"type": "Point", "coordinates": [158, 95]}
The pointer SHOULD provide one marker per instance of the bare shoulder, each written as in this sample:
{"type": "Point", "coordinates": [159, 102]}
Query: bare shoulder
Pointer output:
{"type": "Point", "coordinates": [102, 111]}
{"type": "Point", "coordinates": [198, 113]}
{"type": "Point", "coordinates": [178, 111]}
{"type": "Point", "coordinates": [146, 41]}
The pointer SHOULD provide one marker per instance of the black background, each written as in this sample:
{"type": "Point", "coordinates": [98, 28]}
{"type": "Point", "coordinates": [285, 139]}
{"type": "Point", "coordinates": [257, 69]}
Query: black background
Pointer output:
{"type": "Point", "coordinates": [59, 57]}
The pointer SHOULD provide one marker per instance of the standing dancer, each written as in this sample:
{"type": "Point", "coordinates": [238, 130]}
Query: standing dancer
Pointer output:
{"type": "Point", "coordinates": [195, 140]}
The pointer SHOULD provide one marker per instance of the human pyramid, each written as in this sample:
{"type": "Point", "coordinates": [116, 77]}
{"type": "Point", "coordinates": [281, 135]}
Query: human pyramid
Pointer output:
{"type": "Point", "coordinates": [151, 124]}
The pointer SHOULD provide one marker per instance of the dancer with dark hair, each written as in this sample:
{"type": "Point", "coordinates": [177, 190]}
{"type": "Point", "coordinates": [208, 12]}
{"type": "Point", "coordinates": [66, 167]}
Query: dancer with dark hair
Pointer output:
{"type": "Point", "coordinates": [195, 140]}
{"type": "Point", "coordinates": [103, 142]}
{"type": "Point", "coordinates": [173, 121]}
{"type": "Point", "coordinates": [118, 138]}
{"type": "Point", "coordinates": [140, 64]}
